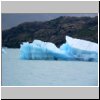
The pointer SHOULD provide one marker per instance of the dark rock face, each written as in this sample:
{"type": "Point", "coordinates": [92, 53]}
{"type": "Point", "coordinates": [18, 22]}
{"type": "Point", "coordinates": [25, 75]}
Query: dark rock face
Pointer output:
{"type": "Point", "coordinates": [52, 31]}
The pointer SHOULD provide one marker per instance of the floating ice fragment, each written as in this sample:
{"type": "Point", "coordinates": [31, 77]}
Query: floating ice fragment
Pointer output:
{"type": "Point", "coordinates": [3, 51]}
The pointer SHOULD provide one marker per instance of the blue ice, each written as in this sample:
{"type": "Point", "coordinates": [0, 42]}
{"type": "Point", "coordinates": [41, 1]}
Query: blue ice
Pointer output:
{"type": "Point", "coordinates": [3, 51]}
{"type": "Point", "coordinates": [39, 50]}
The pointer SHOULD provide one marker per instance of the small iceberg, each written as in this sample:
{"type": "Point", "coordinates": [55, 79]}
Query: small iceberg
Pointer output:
{"type": "Point", "coordinates": [73, 49]}
{"type": "Point", "coordinates": [3, 51]}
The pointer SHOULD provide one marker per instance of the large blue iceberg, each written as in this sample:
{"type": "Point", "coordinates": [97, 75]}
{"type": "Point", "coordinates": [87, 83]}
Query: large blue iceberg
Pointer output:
{"type": "Point", "coordinates": [73, 49]}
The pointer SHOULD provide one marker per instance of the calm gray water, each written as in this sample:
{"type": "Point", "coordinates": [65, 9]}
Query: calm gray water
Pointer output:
{"type": "Point", "coordinates": [17, 72]}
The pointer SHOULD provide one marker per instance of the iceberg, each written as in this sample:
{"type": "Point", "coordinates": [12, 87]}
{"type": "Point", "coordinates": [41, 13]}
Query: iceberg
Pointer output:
{"type": "Point", "coordinates": [80, 49]}
{"type": "Point", "coordinates": [73, 49]}
{"type": "Point", "coordinates": [3, 51]}
{"type": "Point", "coordinates": [40, 50]}
{"type": "Point", "coordinates": [82, 44]}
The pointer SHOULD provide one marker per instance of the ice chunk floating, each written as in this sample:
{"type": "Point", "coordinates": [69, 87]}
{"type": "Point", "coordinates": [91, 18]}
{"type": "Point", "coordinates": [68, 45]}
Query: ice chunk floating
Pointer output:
{"type": "Point", "coordinates": [73, 49]}
{"type": "Point", "coordinates": [3, 51]}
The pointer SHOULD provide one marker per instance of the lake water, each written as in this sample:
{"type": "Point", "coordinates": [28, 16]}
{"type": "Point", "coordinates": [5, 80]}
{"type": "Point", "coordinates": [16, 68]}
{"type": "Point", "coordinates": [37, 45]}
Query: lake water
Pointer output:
{"type": "Point", "coordinates": [17, 72]}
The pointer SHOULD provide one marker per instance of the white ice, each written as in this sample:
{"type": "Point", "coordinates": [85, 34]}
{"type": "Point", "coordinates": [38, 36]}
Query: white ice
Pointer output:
{"type": "Point", "coordinates": [82, 44]}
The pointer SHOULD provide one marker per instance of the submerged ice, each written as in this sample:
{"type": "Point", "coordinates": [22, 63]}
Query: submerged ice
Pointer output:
{"type": "Point", "coordinates": [73, 49]}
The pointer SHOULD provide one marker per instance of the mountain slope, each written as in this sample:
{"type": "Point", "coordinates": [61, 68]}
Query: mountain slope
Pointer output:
{"type": "Point", "coordinates": [52, 31]}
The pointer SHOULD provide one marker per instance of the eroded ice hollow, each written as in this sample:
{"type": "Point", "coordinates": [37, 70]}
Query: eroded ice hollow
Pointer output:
{"type": "Point", "coordinates": [73, 49]}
